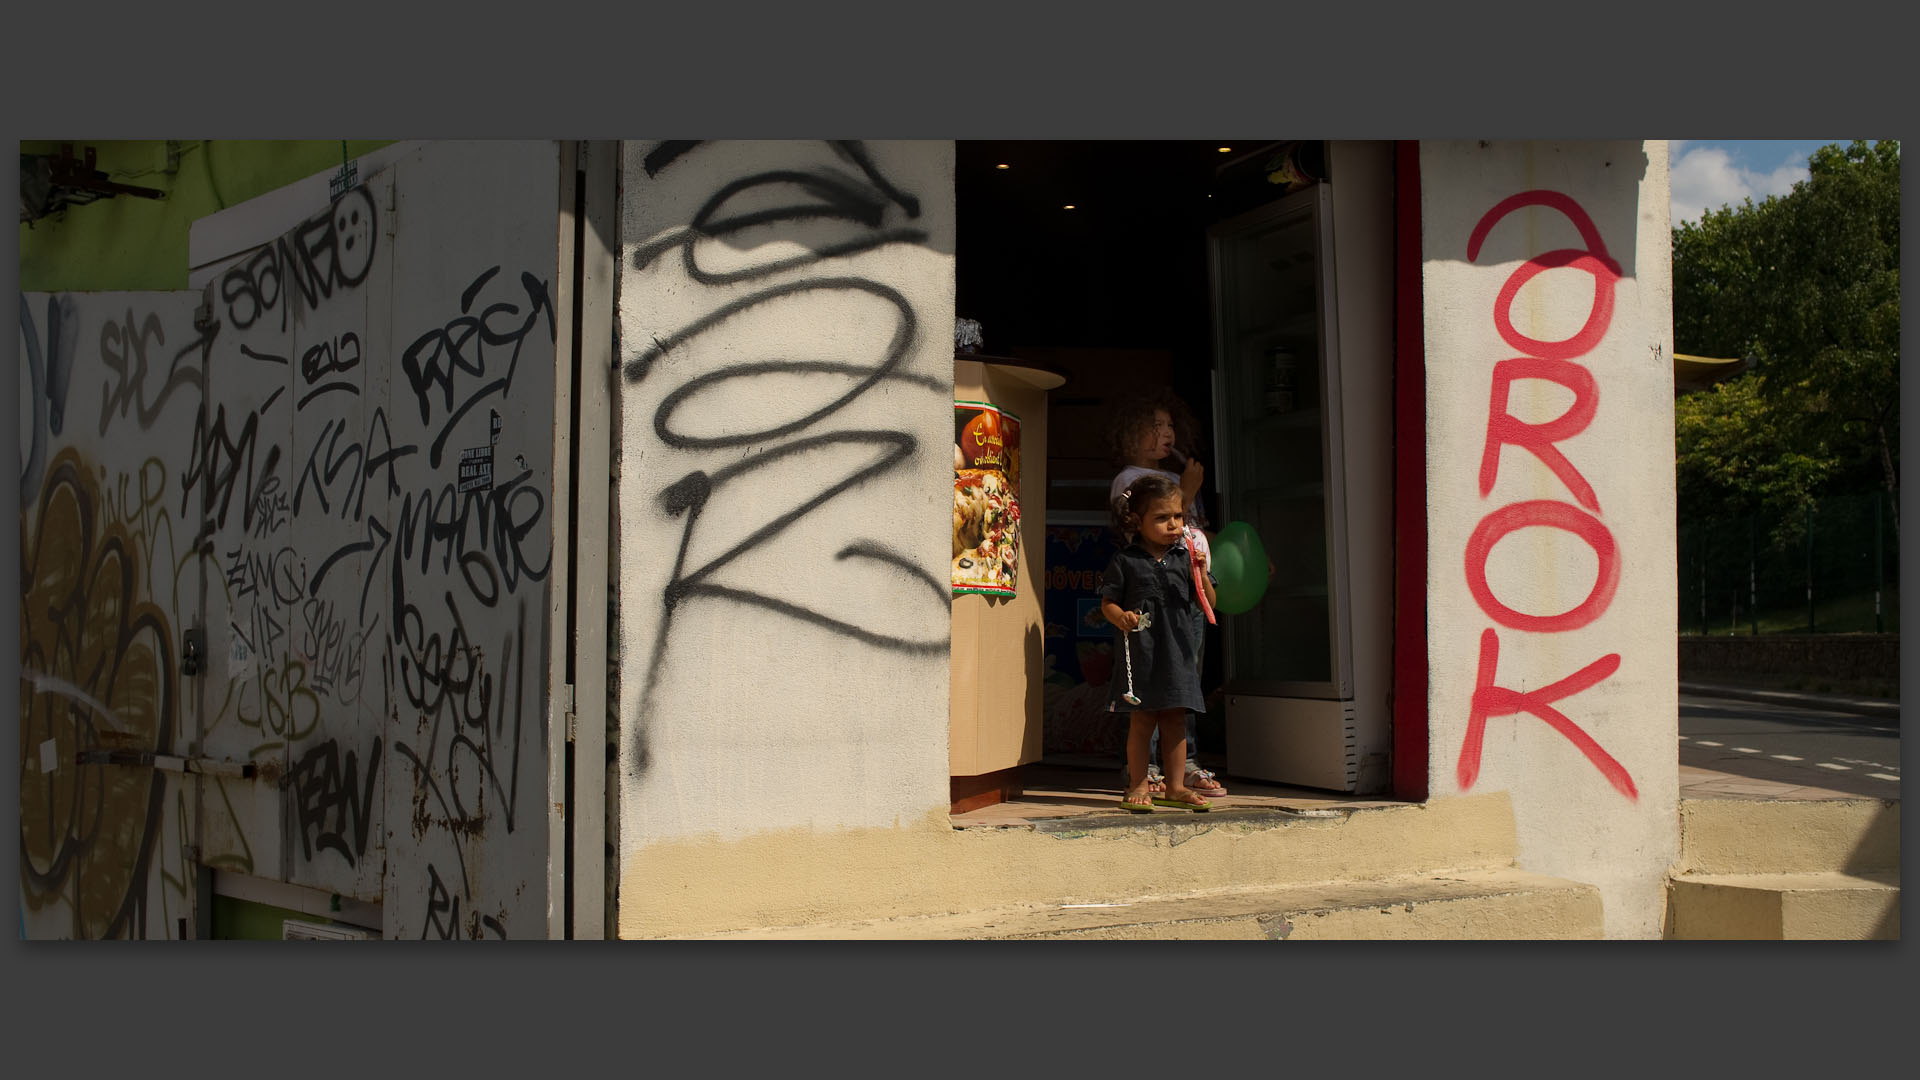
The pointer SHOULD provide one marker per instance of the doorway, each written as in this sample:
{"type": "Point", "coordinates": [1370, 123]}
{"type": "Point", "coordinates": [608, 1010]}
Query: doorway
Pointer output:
{"type": "Point", "coordinates": [1104, 261]}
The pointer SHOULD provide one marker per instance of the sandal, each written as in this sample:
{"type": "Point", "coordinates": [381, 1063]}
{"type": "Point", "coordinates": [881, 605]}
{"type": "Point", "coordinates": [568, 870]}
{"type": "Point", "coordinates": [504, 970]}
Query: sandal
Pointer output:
{"type": "Point", "coordinates": [1193, 802]}
{"type": "Point", "coordinates": [1205, 783]}
{"type": "Point", "coordinates": [1137, 807]}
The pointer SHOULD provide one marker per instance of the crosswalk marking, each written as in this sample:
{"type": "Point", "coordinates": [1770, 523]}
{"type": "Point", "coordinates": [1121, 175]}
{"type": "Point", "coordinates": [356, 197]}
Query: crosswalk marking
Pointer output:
{"type": "Point", "coordinates": [1883, 776]}
{"type": "Point", "coordinates": [1786, 757]}
{"type": "Point", "coordinates": [1836, 768]}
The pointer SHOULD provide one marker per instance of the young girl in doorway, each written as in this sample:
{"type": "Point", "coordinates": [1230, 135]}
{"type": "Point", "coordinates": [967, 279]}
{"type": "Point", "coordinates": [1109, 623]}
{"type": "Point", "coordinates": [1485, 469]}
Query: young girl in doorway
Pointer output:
{"type": "Point", "coordinates": [1149, 592]}
{"type": "Point", "coordinates": [1143, 436]}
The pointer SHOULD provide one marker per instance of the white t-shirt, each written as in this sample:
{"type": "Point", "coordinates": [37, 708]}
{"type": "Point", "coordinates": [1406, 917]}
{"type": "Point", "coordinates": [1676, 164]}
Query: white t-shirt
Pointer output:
{"type": "Point", "coordinates": [1196, 540]}
{"type": "Point", "coordinates": [1134, 472]}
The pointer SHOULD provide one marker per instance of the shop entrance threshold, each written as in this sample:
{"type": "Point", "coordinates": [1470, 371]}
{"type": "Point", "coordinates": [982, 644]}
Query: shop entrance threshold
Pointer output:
{"type": "Point", "coordinates": [1086, 791]}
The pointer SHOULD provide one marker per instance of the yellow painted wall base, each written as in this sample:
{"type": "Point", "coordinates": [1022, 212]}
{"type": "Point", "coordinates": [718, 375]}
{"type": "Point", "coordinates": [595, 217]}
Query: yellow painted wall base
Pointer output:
{"type": "Point", "coordinates": [1786, 869]}
{"type": "Point", "coordinates": [801, 878]}
{"type": "Point", "coordinates": [1481, 905]}
{"type": "Point", "coordinates": [1762, 836]}
{"type": "Point", "coordinates": [1786, 907]}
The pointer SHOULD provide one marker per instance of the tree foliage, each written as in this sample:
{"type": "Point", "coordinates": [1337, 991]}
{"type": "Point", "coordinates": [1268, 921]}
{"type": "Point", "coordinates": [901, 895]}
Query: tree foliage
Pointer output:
{"type": "Point", "coordinates": [1807, 285]}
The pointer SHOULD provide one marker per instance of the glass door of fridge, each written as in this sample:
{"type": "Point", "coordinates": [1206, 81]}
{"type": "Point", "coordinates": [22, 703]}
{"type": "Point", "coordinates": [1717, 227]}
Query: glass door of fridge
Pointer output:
{"type": "Point", "coordinates": [1277, 431]}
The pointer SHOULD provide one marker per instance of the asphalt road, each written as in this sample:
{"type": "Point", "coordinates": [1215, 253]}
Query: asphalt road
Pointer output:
{"type": "Point", "coordinates": [1841, 751]}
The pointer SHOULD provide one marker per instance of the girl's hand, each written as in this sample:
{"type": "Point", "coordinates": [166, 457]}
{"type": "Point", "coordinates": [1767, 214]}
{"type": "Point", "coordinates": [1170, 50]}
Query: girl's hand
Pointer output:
{"type": "Point", "coordinates": [1191, 478]}
{"type": "Point", "coordinates": [1126, 621]}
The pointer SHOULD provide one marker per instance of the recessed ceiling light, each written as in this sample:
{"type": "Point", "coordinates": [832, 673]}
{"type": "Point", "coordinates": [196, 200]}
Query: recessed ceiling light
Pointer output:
{"type": "Point", "coordinates": [1069, 206]}
{"type": "Point", "coordinates": [1226, 149]}
{"type": "Point", "coordinates": [1003, 165]}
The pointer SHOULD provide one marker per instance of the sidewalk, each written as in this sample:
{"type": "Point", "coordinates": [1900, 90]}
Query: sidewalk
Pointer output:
{"type": "Point", "coordinates": [1847, 703]}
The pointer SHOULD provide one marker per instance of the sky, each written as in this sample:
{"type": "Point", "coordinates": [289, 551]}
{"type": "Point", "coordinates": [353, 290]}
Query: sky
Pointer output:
{"type": "Point", "coordinates": [1709, 173]}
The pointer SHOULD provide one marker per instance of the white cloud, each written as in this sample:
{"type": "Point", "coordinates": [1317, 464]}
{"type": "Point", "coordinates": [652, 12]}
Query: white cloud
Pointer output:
{"type": "Point", "coordinates": [1706, 178]}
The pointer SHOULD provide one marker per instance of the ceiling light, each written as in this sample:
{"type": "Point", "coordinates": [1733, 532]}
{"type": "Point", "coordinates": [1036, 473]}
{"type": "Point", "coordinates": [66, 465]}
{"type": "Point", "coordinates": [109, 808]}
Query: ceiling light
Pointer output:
{"type": "Point", "coordinates": [1069, 206]}
{"type": "Point", "coordinates": [1226, 149]}
{"type": "Point", "coordinates": [1003, 165]}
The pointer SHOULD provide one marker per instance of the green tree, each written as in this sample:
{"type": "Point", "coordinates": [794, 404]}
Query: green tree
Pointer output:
{"type": "Point", "coordinates": [1734, 459]}
{"type": "Point", "coordinates": [1807, 285]}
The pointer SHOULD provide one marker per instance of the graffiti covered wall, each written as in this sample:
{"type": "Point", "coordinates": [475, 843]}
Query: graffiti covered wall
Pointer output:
{"type": "Point", "coordinates": [109, 391]}
{"type": "Point", "coordinates": [1547, 283]}
{"type": "Point", "coordinates": [784, 488]}
{"type": "Point", "coordinates": [340, 472]}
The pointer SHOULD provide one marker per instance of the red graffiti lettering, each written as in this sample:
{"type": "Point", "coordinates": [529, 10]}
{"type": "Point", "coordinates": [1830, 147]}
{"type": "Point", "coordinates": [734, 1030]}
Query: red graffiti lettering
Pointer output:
{"type": "Point", "coordinates": [1553, 515]}
{"type": "Point", "coordinates": [1503, 428]}
{"type": "Point", "coordinates": [1552, 361]}
{"type": "Point", "coordinates": [1594, 260]}
{"type": "Point", "coordinates": [1490, 700]}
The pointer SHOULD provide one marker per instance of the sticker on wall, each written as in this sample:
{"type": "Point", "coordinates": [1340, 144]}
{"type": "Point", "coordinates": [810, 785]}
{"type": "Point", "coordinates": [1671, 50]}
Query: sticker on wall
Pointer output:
{"type": "Point", "coordinates": [986, 499]}
{"type": "Point", "coordinates": [239, 659]}
{"type": "Point", "coordinates": [476, 469]}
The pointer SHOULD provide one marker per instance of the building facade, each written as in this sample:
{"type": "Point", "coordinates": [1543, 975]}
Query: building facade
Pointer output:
{"type": "Point", "coordinates": [553, 539]}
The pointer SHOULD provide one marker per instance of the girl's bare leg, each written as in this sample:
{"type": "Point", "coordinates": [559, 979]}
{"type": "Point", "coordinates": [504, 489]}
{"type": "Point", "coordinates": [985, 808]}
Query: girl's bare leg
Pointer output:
{"type": "Point", "coordinates": [1173, 754]}
{"type": "Point", "coordinates": [1173, 749]}
{"type": "Point", "coordinates": [1139, 736]}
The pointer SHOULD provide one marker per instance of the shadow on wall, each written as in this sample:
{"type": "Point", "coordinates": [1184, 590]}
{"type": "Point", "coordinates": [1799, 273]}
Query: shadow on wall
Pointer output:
{"type": "Point", "coordinates": [1563, 227]}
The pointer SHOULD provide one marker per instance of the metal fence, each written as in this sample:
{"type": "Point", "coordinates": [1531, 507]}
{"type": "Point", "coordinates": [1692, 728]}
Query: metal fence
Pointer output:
{"type": "Point", "coordinates": [1833, 570]}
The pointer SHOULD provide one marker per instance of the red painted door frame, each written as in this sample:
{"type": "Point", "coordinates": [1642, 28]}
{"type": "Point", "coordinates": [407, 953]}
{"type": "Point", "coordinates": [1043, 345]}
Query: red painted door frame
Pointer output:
{"type": "Point", "coordinates": [1410, 731]}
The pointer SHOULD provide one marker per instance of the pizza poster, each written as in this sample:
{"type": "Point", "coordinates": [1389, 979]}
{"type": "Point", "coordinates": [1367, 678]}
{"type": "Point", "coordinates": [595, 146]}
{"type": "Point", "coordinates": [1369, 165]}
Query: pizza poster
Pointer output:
{"type": "Point", "coordinates": [986, 499]}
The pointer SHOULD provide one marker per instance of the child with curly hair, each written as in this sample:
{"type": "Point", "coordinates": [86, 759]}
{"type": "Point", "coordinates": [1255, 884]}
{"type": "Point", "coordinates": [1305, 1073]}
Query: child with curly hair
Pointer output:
{"type": "Point", "coordinates": [1144, 435]}
{"type": "Point", "coordinates": [1149, 592]}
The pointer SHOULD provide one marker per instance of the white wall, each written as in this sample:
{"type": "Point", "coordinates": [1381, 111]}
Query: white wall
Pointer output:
{"type": "Point", "coordinates": [784, 486]}
{"type": "Point", "coordinates": [1602, 813]}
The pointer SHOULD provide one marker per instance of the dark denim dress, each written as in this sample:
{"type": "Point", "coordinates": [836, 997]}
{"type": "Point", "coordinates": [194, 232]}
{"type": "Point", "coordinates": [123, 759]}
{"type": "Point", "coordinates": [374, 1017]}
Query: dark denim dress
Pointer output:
{"type": "Point", "coordinates": [1166, 655]}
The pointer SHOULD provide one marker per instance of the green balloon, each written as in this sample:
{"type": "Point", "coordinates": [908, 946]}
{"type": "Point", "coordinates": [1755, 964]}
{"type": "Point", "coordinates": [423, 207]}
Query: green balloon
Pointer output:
{"type": "Point", "coordinates": [1239, 568]}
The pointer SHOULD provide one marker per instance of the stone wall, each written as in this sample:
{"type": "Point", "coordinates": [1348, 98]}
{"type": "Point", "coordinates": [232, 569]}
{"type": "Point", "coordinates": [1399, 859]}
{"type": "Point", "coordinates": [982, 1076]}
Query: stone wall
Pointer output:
{"type": "Point", "coordinates": [1828, 656]}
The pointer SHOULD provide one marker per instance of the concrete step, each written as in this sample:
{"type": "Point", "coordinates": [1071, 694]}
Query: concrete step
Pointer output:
{"type": "Point", "coordinates": [1805, 906]}
{"type": "Point", "coordinates": [1788, 836]}
{"type": "Point", "coordinates": [826, 881]}
{"type": "Point", "coordinates": [1476, 904]}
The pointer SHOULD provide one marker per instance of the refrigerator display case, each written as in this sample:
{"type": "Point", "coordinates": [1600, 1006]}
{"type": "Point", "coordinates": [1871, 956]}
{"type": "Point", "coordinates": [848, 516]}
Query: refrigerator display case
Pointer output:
{"type": "Point", "coordinates": [1278, 430]}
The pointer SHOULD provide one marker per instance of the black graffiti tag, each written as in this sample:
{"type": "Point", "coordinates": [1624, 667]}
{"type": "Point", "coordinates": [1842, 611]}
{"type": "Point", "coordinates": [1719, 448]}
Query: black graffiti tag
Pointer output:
{"type": "Point", "coordinates": [443, 914]}
{"type": "Point", "coordinates": [123, 350]}
{"type": "Point", "coordinates": [333, 809]}
{"type": "Point", "coordinates": [330, 250]}
{"type": "Point", "coordinates": [818, 195]}
{"type": "Point", "coordinates": [330, 458]}
{"type": "Point", "coordinates": [335, 356]}
{"type": "Point", "coordinates": [214, 465]}
{"type": "Point", "coordinates": [459, 351]}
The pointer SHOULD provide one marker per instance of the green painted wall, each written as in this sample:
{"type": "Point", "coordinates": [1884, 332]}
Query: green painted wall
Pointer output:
{"type": "Point", "coordinates": [245, 920]}
{"type": "Point", "coordinates": [130, 243]}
